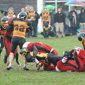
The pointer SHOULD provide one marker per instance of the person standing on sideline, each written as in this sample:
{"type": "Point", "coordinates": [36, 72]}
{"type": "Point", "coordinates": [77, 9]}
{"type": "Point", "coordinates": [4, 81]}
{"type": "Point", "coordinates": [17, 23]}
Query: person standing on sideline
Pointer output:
{"type": "Point", "coordinates": [45, 17]}
{"type": "Point", "coordinates": [74, 22]}
{"type": "Point", "coordinates": [32, 16]}
{"type": "Point", "coordinates": [82, 19]}
{"type": "Point", "coordinates": [52, 19]}
{"type": "Point", "coordinates": [59, 22]}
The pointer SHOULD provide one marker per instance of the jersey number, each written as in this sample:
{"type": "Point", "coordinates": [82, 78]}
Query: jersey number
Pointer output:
{"type": "Point", "coordinates": [20, 28]}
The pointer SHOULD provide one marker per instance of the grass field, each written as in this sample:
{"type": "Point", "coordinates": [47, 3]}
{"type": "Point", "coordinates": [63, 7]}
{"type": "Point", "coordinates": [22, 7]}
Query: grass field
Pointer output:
{"type": "Point", "coordinates": [18, 76]}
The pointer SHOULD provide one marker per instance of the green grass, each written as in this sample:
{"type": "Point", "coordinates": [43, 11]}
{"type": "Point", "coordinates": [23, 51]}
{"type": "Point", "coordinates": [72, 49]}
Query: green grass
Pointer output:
{"type": "Point", "coordinates": [18, 76]}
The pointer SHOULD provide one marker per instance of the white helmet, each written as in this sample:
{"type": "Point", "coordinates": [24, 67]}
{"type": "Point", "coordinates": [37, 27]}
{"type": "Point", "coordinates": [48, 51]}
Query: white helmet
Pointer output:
{"type": "Point", "coordinates": [25, 44]}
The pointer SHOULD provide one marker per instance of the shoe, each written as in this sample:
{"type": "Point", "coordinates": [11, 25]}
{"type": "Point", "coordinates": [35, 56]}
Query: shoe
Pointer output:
{"type": "Point", "coordinates": [62, 36]}
{"type": "Point", "coordinates": [57, 69]}
{"type": "Point", "coordinates": [18, 63]}
{"type": "Point", "coordinates": [25, 68]}
{"type": "Point", "coordinates": [9, 67]}
{"type": "Point", "coordinates": [5, 59]}
{"type": "Point", "coordinates": [57, 36]}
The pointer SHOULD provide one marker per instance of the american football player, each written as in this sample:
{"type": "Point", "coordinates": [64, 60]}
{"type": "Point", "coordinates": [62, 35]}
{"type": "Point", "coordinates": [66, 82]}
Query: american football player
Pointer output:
{"type": "Point", "coordinates": [19, 27]}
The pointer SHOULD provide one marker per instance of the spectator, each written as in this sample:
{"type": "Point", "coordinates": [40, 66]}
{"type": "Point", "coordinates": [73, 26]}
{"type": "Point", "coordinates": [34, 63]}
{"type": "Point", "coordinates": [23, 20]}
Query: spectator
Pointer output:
{"type": "Point", "coordinates": [31, 16]}
{"type": "Point", "coordinates": [47, 30]}
{"type": "Point", "coordinates": [59, 23]}
{"type": "Point", "coordinates": [11, 12]}
{"type": "Point", "coordinates": [63, 13]}
{"type": "Point", "coordinates": [74, 22]}
{"type": "Point", "coordinates": [70, 13]}
{"type": "Point", "coordinates": [36, 31]}
{"type": "Point", "coordinates": [82, 19]}
{"type": "Point", "coordinates": [45, 17]}
{"type": "Point", "coordinates": [22, 10]}
{"type": "Point", "coordinates": [52, 19]}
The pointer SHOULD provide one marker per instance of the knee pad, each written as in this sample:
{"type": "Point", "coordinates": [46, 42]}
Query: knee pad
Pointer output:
{"type": "Point", "coordinates": [12, 54]}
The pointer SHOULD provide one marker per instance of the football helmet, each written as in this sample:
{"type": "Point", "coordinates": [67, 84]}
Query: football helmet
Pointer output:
{"type": "Point", "coordinates": [22, 15]}
{"type": "Point", "coordinates": [4, 21]}
{"type": "Point", "coordinates": [81, 36]}
{"type": "Point", "coordinates": [25, 44]}
{"type": "Point", "coordinates": [24, 51]}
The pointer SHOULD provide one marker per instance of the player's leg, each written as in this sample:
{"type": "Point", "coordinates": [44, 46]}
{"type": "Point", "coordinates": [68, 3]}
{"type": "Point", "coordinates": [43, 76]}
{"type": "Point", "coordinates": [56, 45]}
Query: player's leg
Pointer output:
{"type": "Point", "coordinates": [79, 62]}
{"type": "Point", "coordinates": [1, 45]}
{"type": "Point", "coordinates": [76, 65]}
{"type": "Point", "coordinates": [65, 65]}
{"type": "Point", "coordinates": [14, 44]}
{"type": "Point", "coordinates": [7, 45]}
{"type": "Point", "coordinates": [17, 59]}
{"type": "Point", "coordinates": [69, 66]}
{"type": "Point", "coordinates": [21, 42]}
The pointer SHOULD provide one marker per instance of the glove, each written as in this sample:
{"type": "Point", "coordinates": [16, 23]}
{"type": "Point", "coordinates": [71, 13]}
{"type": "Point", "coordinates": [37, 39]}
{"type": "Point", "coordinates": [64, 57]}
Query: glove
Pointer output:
{"type": "Point", "coordinates": [66, 53]}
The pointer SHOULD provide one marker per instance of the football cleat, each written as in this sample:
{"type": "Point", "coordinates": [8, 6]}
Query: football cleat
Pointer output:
{"type": "Point", "coordinates": [25, 68]}
{"type": "Point", "coordinates": [9, 67]}
{"type": "Point", "coordinates": [57, 69]}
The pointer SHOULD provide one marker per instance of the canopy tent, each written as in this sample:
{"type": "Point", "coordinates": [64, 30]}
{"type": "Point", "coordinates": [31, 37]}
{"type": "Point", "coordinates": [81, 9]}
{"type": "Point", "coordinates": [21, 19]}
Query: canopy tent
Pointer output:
{"type": "Point", "coordinates": [75, 3]}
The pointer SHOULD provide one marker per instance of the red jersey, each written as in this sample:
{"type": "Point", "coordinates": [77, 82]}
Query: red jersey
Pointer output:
{"type": "Point", "coordinates": [80, 59]}
{"type": "Point", "coordinates": [42, 48]}
{"type": "Point", "coordinates": [81, 53]}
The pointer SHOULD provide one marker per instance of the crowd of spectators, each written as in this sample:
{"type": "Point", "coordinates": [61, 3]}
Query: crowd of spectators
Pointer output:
{"type": "Point", "coordinates": [54, 24]}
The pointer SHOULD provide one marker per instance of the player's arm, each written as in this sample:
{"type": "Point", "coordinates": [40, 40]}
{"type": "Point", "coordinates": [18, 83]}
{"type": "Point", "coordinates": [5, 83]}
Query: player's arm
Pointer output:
{"type": "Point", "coordinates": [10, 26]}
{"type": "Point", "coordinates": [35, 51]}
{"type": "Point", "coordinates": [37, 16]}
{"type": "Point", "coordinates": [30, 25]}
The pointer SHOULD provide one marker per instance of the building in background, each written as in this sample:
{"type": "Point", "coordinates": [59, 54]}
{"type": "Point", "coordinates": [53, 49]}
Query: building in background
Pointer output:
{"type": "Point", "coordinates": [57, 3]}
{"type": "Point", "coordinates": [17, 4]}
{"type": "Point", "coordinates": [37, 4]}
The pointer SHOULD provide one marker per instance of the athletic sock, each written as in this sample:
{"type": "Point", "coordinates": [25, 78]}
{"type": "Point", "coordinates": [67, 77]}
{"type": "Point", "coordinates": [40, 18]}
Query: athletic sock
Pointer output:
{"type": "Point", "coordinates": [64, 60]}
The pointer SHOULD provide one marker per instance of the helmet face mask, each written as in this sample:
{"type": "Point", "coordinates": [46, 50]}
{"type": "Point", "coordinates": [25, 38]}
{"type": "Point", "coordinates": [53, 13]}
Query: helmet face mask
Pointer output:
{"type": "Point", "coordinates": [24, 51]}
